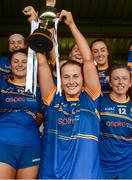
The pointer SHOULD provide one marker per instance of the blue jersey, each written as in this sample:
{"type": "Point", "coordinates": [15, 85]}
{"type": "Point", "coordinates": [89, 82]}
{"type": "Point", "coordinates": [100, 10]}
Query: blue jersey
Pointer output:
{"type": "Point", "coordinates": [5, 69]}
{"type": "Point", "coordinates": [130, 60]}
{"type": "Point", "coordinates": [18, 113]}
{"type": "Point", "coordinates": [70, 148]}
{"type": "Point", "coordinates": [116, 134]}
{"type": "Point", "coordinates": [104, 79]}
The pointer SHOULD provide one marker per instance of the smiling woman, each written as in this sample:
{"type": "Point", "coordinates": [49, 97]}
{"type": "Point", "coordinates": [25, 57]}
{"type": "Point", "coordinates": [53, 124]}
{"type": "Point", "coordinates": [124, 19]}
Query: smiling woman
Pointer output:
{"type": "Point", "coordinates": [116, 123]}
{"type": "Point", "coordinates": [102, 57]}
{"type": "Point", "coordinates": [19, 67]}
{"type": "Point", "coordinates": [15, 42]}
{"type": "Point", "coordinates": [19, 112]}
{"type": "Point", "coordinates": [120, 81]}
{"type": "Point", "coordinates": [72, 79]}
{"type": "Point", "coordinates": [70, 141]}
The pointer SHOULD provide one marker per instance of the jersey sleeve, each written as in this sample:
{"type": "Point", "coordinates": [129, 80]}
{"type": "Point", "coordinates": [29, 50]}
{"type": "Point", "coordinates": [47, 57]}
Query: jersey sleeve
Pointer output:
{"type": "Point", "coordinates": [92, 95]}
{"type": "Point", "coordinates": [50, 97]}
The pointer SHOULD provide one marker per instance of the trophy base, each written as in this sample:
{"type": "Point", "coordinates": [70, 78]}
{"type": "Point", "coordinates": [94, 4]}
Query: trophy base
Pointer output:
{"type": "Point", "coordinates": [40, 41]}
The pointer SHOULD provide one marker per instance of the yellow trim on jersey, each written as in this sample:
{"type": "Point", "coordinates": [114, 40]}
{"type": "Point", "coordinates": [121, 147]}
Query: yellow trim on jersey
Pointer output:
{"type": "Point", "coordinates": [5, 70]}
{"type": "Point", "coordinates": [97, 113]}
{"type": "Point", "coordinates": [102, 68]}
{"type": "Point", "coordinates": [72, 99]}
{"type": "Point", "coordinates": [83, 136]}
{"type": "Point", "coordinates": [20, 92]}
{"type": "Point", "coordinates": [86, 136]}
{"type": "Point", "coordinates": [50, 97]}
{"type": "Point", "coordinates": [129, 64]}
{"type": "Point", "coordinates": [31, 114]}
{"type": "Point", "coordinates": [117, 137]}
{"type": "Point", "coordinates": [119, 101]}
{"type": "Point", "coordinates": [16, 110]}
{"type": "Point", "coordinates": [92, 95]}
{"type": "Point", "coordinates": [60, 109]}
{"type": "Point", "coordinates": [17, 84]}
{"type": "Point", "coordinates": [64, 112]}
{"type": "Point", "coordinates": [115, 115]}
{"type": "Point", "coordinates": [103, 75]}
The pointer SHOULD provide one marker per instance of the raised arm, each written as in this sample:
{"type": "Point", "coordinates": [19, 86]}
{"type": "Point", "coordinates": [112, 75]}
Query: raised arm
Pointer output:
{"type": "Point", "coordinates": [45, 76]}
{"type": "Point", "coordinates": [31, 13]}
{"type": "Point", "coordinates": [91, 79]}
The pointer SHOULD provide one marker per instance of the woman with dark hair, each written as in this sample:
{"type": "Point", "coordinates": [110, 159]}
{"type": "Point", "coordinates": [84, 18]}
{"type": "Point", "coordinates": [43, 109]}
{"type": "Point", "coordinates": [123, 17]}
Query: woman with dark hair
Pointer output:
{"type": "Point", "coordinates": [102, 59]}
{"type": "Point", "coordinates": [70, 144]}
{"type": "Point", "coordinates": [101, 55]}
{"type": "Point", "coordinates": [116, 126]}
{"type": "Point", "coordinates": [19, 133]}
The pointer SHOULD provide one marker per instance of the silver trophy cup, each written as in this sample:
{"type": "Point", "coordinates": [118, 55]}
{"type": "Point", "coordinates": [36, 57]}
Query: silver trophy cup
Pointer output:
{"type": "Point", "coordinates": [41, 39]}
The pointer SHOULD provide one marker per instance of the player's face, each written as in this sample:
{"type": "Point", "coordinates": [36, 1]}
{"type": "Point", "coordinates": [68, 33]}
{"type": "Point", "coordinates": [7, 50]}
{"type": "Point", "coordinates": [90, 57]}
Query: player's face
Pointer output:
{"type": "Point", "coordinates": [100, 53]}
{"type": "Point", "coordinates": [120, 81]}
{"type": "Point", "coordinates": [75, 54]}
{"type": "Point", "coordinates": [72, 80]}
{"type": "Point", "coordinates": [16, 43]}
{"type": "Point", "coordinates": [19, 64]}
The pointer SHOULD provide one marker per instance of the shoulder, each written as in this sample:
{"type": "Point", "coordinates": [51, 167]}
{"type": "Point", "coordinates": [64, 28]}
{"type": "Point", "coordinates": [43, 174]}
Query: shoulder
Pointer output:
{"type": "Point", "coordinates": [105, 98]}
{"type": "Point", "coordinates": [4, 59]}
{"type": "Point", "coordinates": [53, 97]}
{"type": "Point", "coordinates": [2, 80]}
{"type": "Point", "coordinates": [3, 83]}
{"type": "Point", "coordinates": [85, 99]}
{"type": "Point", "coordinates": [5, 62]}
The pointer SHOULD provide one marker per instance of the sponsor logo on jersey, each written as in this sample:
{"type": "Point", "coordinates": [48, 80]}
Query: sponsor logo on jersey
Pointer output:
{"type": "Point", "coordinates": [66, 121]}
{"type": "Point", "coordinates": [15, 99]}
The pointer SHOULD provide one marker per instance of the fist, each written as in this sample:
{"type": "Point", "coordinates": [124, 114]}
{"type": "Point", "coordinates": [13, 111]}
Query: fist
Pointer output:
{"type": "Point", "coordinates": [50, 3]}
{"type": "Point", "coordinates": [28, 11]}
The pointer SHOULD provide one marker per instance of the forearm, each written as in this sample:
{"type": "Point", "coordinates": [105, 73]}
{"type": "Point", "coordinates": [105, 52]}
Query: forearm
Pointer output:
{"type": "Point", "coordinates": [81, 43]}
{"type": "Point", "coordinates": [45, 76]}
{"type": "Point", "coordinates": [77, 35]}
{"type": "Point", "coordinates": [91, 79]}
{"type": "Point", "coordinates": [52, 57]}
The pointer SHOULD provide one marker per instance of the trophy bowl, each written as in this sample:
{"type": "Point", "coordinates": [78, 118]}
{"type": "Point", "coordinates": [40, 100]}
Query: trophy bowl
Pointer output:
{"type": "Point", "coordinates": [41, 39]}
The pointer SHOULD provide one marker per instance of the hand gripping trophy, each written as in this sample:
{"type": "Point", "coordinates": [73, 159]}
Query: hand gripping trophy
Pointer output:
{"type": "Point", "coordinates": [40, 39]}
